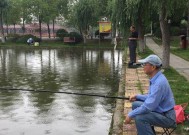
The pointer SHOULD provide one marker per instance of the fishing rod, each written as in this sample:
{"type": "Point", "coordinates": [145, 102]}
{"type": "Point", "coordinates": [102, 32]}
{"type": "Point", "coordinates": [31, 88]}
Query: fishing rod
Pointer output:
{"type": "Point", "coordinates": [64, 92]}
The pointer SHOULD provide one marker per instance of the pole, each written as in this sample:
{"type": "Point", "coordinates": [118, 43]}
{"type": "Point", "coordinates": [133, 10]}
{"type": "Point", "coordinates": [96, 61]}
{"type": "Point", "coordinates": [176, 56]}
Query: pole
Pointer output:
{"type": "Point", "coordinates": [99, 39]}
{"type": "Point", "coordinates": [64, 92]}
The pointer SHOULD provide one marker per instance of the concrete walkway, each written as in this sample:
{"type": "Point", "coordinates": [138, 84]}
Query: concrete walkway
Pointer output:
{"type": "Point", "coordinates": [179, 64]}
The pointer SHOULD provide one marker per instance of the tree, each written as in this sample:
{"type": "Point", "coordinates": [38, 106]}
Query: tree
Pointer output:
{"type": "Point", "coordinates": [3, 6]}
{"type": "Point", "coordinates": [46, 11]}
{"type": "Point", "coordinates": [26, 12]}
{"type": "Point", "coordinates": [188, 22]}
{"type": "Point", "coordinates": [118, 11]}
{"type": "Point", "coordinates": [165, 33]}
{"type": "Point", "coordinates": [140, 17]}
{"type": "Point", "coordinates": [38, 10]}
{"type": "Point", "coordinates": [52, 9]}
{"type": "Point", "coordinates": [165, 8]}
{"type": "Point", "coordinates": [84, 14]}
{"type": "Point", "coordinates": [13, 13]}
{"type": "Point", "coordinates": [62, 10]}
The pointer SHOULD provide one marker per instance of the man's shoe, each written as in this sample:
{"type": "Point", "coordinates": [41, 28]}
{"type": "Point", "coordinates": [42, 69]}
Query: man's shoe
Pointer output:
{"type": "Point", "coordinates": [134, 65]}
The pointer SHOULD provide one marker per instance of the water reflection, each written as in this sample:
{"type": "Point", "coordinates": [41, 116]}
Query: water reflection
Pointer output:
{"type": "Point", "coordinates": [70, 69]}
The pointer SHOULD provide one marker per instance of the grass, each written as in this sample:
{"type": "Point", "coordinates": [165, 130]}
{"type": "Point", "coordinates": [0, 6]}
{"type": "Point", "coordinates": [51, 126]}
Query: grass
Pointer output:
{"type": "Point", "coordinates": [175, 47]}
{"type": "Point", "coordinates": [179, 86]}
{"type": "Point", "coordinates": [104, 44]}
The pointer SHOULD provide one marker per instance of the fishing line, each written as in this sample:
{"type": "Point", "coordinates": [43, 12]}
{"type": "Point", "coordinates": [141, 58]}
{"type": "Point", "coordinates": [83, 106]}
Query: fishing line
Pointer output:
{"type": "Point", "coordinates": [64, 92]}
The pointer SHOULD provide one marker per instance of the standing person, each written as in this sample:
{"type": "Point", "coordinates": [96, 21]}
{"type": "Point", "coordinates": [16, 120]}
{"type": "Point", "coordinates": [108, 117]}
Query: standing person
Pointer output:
{"type": "Point", "coordinates": [157, 107]}
{"type": "Point", "coordinates": [132, 45]}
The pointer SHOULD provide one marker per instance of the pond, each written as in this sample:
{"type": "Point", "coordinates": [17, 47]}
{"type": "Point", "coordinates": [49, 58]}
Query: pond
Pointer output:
{"type": "Point", "coordinates": [60, 69]}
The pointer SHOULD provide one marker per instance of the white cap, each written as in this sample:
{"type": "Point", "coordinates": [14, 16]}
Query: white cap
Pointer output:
{"type": "Point", "coordinates": [152, 59]}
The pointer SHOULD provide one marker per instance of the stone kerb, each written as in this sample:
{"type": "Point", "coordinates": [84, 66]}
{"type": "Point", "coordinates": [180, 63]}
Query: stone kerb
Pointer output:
{"type": "Point", "coordinates": [136, 82]}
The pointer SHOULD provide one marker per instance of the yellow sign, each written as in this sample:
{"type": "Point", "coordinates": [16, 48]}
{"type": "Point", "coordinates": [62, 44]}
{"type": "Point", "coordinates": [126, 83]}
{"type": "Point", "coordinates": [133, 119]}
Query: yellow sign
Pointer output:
{"type": "Point", "coordinates": [105, 27]}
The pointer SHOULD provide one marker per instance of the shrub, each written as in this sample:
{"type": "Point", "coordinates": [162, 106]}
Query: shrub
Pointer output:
{"type": "Point", "coordinates": [175, 31]}
{"type": "Point", "coordinates": [102, 35]}
{"type": "Point", "coordinates": [61, 33]}
{"type": "Point", "coordinates": [78, 37]}
{"type": "Point", "coordinates": [183, 23]}
{"type": "Point", "coordinates": [157, 33]}
{"type": "Point", "coordinates": [24, 38]}
{"type": "Point", "coordinates": [13, 37]}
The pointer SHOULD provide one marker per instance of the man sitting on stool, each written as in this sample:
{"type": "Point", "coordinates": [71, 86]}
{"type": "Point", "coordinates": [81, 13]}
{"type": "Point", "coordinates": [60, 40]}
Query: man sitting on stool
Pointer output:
{"type": "Point", "coordinates": [156, 107]}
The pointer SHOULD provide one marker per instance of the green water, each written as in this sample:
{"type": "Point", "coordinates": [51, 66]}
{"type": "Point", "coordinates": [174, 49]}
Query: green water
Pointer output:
{"type": "Point", "coordinates": [71, 70]}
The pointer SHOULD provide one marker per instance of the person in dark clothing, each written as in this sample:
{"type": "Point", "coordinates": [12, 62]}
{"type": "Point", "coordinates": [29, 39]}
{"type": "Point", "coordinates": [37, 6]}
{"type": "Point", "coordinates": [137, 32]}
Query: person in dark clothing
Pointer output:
{"type": "Point", "coordinates": [133, 45]}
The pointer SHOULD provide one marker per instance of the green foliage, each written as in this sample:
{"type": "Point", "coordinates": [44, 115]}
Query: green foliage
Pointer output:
{"type": "Point", "coordinates": [157, 33]}
{"type": "Point", "coordinates": [184, 23]}
{"type": "Point", "coordinates": [120, 19]}
{"type": "Point", "coordinates": [102, 35]}
{"type": "Point", "coordinates": [78, 37]}
{"type": "Point", "coordinates": [84, 14]}
{"type": "Point", "coordinates": [180, 52]}
{"type": "Point", "coordinates": [13, 12]}
{"type": "Point", "coordinates": [179, 85]}
{"type": "Point", "coordinates": [175, 31]}
{"type": "Point", "coordinates": [63, 8]}
{"type": "Point", "coordinates": [3, 4]}
{"type": "Point", "coordinates": [61, 33]}
{"type": "Point", "coordinates": [13, 37]}
{"type": "Point", "coordinates": [24, 38]}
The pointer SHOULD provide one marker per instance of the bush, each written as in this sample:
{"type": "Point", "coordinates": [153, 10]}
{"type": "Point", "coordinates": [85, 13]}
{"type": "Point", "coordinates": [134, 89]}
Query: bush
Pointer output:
{"type": "Point", "coordinates": [24, 38]}
{"type": "Point", "coordinates": [13, 37]}
{"type": "Point", "coordinates": [175, 31]}
{"type": "Point", "coordinates": [78, 37]}
{"type": "Point", "coordinates": [102, 35]}
{"type": "Point", "coordinates": [183, 23]}
{"type": "Point", "coordinates": [157, 33]}
{"type": "Point", "coordinates": [61, 33]}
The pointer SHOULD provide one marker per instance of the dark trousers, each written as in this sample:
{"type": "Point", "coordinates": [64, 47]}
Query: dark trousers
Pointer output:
{"type": "Point", "coordinates": [132, 51]}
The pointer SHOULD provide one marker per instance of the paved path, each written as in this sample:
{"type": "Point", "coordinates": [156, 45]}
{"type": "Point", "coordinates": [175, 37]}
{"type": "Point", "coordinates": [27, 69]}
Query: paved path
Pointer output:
{"type": "Point", "coordinates": [135, 82]}
{"type": "Point", "coordinates": [179, 64]}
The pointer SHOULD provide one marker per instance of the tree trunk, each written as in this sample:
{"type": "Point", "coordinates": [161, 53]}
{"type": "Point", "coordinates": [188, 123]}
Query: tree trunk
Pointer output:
{"type": "Point", "coordinates": [49, 33]}
{"type": "Point", "coordinates": [165, 36]}
{"type": "Point", "coordinates": [7, 26]}
{"type": "Point", "coordinates": [2, 30]}
{"type": "Point", "coordinates": [188, 23]}
{"type": "Point", "coordinates": [141, 34]}
{"type": "Point", "coordinates": [7, 30]}
{"type": "Point", "coordinates": [14, 28]}
{"type": "Point", "coordinates": [84, 38]}
{"type": "Point", "coordinates": [113, 32]}
{"type": "Point", "coordinates": [40, 31]}
{"type": "Point", "coordinates": [23, 26]}
{"type": "Point", "coordinates": [84, 34]}
{"type": "Point", "coordinates": [53, 29]}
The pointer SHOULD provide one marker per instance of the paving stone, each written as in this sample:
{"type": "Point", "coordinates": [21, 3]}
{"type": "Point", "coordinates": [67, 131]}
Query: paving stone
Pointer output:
{"type": "Point", "coordinates": [127, 105]}
{"type": "Point", "coordinates": [132, 78]}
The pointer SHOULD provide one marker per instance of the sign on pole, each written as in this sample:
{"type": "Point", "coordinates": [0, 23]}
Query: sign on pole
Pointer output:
{"type": "Point", "coordinates": [105, 27]}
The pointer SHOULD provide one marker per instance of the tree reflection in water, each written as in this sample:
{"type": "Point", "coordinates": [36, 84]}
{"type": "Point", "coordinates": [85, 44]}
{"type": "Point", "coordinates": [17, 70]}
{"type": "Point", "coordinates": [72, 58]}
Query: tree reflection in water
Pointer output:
{"type": "Point", "coordinates": [68, 69]}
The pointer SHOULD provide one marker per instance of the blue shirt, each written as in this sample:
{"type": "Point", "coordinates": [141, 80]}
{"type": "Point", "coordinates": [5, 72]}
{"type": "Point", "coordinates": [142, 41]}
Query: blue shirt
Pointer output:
{"type": "Point", "coordinates": [159, 98]}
